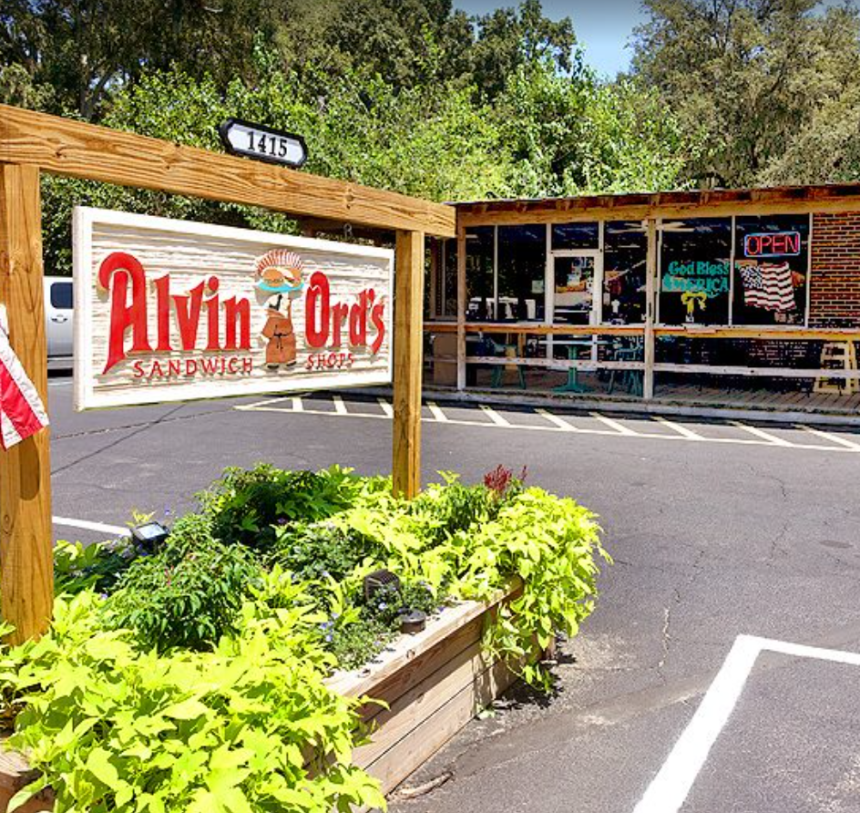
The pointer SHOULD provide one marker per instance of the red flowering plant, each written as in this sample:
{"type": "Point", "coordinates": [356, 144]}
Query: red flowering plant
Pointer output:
{"type": "Point", "coordinates": [501, 483]}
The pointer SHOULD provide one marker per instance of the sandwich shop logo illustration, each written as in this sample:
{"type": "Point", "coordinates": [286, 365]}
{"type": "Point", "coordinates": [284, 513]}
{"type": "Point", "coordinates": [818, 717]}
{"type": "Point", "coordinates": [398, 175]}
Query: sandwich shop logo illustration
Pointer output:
{"type": "Point", "coordinates": [169, 310]}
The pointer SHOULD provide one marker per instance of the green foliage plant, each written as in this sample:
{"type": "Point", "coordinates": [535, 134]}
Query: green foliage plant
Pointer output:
{"type": "Point", "coordinates": [188, 594]}
{"type": "Point", "coordinates": [247, 727]}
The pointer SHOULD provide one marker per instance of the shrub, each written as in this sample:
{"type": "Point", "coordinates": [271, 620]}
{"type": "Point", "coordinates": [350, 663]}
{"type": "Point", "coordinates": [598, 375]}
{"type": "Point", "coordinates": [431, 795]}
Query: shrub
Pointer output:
{"type": "Point", "coordinates": [249, 726]}
{"type": "Point", "coordinates": [98, 566]}
{"type": "Point", "coordinates": [247, 506]}
{"type": "Point", "coordinates": [188, 594]}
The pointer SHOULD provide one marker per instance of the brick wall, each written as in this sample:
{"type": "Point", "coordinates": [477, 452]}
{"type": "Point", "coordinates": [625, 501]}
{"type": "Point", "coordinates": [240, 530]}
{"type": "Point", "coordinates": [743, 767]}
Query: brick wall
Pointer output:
{"type": "Point", "coordinates": [835, 291]}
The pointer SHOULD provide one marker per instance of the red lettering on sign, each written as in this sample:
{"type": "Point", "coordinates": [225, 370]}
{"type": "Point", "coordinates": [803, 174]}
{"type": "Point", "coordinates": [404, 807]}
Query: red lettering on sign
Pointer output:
{"type": "Point", "coordinates": [317, 310]}
{"type": "Point", "coordinates": [121, 269]}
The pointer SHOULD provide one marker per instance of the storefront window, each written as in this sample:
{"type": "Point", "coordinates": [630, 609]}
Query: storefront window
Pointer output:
{"type": "Point", "coordinates": [522, 261]}
{"type": "Point", "coordinates": [625, 252]}
{"type": "Point", "coordinates": [480, 305]}
{"type": "Point", "coordinates": [771, 263]}
{"type": "Point", "coordinates": [566, 236]}
{"type": "Point", "coordinates": [695, 257]}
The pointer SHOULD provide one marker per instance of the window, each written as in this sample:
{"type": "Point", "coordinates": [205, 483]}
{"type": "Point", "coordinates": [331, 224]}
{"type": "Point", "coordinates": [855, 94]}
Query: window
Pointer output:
{"type": "Point", "coordinates": [695, 257]}
{"type": "Point", "coordinates": [480, 296]}
{"type": "Point", "coordinates": [575, 235]}
{"type": "Point", "coordinates": [771, 264]}
{"type": "Point", "coordinates": [625, 252]}
{"type": "Point", "coordinates": [61, 296]}
{"type": "Point", "coordinates": [522, 262]}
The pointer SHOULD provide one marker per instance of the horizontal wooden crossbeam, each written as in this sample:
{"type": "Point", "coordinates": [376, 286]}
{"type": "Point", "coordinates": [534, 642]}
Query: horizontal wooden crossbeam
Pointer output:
{"type": "Point", "coordinates": [66, 147]}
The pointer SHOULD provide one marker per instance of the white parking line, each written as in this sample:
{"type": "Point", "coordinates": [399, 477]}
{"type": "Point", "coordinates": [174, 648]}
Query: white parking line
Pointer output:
{"type": "Point", "coordinates": [669, 789]}
{"type": "Point", "coordinates": [494, 416]}
{"type": "Point", "coordinates": [620, 428]}
{"type": "Point", "coordinates": [560, 422]}
{"type": "Point", "coordinates": [676, 427]}
{"type": "Point", "coordinates": [436, 412]}
{"type": "Point", "coordinates": [86, 525]}
{"type": "Point", "coordinates": [848, 444]}
{"type": "Point", "coordinates": [339, 405]}
{"type": "Point", "coordinates": [298, 406]}
{"type": "Point", "coordinates": [773, 439]}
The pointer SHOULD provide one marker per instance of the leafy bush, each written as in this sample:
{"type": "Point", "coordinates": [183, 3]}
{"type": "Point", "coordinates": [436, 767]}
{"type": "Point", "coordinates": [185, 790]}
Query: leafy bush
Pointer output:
{"type": "Point", "coordinates": [98, 566]}
{"type": "Point", "coordinates": [198, 683]}
{"type": "Point", "coordinates": [247, 506]}
{"type": "Point", "coordinates": [321, 550]}
{"type": "Point", "coordinates": [249, 726]}
{"type": "Point", "coordinates": [188, 594]}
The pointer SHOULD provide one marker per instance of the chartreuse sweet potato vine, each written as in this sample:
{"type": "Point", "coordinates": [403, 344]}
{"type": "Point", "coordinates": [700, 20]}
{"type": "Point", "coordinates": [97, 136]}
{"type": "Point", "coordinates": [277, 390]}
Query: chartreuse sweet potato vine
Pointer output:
{"type": "Point", "coordinates": [193, 678]}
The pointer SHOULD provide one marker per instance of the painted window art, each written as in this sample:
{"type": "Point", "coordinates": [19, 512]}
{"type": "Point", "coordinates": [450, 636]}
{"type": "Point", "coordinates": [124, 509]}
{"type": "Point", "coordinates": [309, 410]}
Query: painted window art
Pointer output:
{"type": "Point", "coordinates": [695, 261]}
{"type": "Point", "coordinates": [771, 267]}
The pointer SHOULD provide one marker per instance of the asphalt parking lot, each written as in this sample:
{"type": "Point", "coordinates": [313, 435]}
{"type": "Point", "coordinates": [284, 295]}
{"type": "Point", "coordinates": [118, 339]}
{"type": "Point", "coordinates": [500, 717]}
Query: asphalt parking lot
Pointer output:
{"type": "Point", "coordinates": [718, 530]}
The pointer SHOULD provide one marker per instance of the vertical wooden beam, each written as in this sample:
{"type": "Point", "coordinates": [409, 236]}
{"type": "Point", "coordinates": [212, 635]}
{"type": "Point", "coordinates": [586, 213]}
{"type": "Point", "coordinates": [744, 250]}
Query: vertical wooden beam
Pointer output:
{"type": "Point", "coordinates": [461, 307]}
{"type": "Point", "coordinates": [650, 301]}
{"type": "Point", "coordinates": [408, 345]}
{"type": "Point", "coordinates": [26, 560]}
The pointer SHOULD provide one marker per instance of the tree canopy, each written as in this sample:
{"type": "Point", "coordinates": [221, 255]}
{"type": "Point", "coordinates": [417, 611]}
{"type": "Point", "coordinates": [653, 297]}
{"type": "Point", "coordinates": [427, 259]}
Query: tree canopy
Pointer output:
{"type": "Point", "coordinates": [418, 97]}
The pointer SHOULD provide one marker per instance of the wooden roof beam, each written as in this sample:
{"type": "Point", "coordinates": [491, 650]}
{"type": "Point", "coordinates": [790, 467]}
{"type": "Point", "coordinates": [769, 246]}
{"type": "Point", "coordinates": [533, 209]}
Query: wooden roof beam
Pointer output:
{"type": "Point", "coordinates": [66, 147]}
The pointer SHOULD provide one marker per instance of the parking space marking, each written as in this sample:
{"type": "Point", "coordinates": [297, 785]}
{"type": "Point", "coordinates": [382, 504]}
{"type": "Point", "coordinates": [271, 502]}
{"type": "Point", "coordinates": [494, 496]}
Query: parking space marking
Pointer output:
{"type": "Point", "coordinates": [560, 422]}
{"type": "Point", "coordinates": [689, 434]}
{"type": "Point", "coordinates": [619, 428]}
{"type": "Point", "coordinates": [437, 412]}
{"type": "Point", "coordinates": [848, 444]}
{"type": "Point", "coordinates": [670, 787]}
{"type": "Point", "coordinates": [494, 416]}
{"type": "Point", "coordinates": [557, 423]}
{"type": "Point", "coordinates": [86, 525]}
{"type": "Point", "coordinates": [772, 439]}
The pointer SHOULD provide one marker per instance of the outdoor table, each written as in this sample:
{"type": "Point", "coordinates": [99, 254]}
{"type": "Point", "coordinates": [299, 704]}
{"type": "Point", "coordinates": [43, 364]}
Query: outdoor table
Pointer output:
{"type": "Point", "coordinates": [573, 347]}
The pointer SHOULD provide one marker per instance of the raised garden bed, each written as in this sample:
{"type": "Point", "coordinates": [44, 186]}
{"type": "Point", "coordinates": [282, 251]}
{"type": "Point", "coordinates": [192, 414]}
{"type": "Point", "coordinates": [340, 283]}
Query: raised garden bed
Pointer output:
{"type": "Point", "coordinates": [433, 683]}
{"type": "Point", "coordinates": [233, 668]}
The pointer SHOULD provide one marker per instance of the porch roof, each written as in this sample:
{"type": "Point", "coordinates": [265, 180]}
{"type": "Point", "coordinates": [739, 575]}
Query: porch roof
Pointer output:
{"type": "Point", "coordinates": [679, 203]}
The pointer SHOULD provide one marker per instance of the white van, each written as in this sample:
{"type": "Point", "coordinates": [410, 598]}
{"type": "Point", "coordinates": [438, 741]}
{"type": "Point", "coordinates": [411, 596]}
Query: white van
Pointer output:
{"type": "Point", "coordinates": [59, 316]}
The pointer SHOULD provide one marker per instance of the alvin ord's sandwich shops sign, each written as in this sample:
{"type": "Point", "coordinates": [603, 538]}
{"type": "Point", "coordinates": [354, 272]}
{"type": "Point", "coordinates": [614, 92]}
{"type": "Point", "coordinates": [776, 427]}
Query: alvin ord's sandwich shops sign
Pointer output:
{"type": "Point", "coordinates": [170, 310]}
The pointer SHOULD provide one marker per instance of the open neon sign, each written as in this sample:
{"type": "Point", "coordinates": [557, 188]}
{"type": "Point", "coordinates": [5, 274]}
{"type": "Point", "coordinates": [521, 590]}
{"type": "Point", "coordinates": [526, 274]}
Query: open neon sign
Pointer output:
{"type": "Point", "coordinates": [772, 244]}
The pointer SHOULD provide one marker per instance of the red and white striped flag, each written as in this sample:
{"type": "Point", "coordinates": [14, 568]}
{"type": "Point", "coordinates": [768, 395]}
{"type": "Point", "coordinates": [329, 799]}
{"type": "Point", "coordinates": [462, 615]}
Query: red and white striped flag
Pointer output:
{"type": "Point", "coordinates": [22, 412]}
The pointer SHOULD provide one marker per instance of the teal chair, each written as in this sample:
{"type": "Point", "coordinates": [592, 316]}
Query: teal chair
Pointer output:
{"type": "Point", "coordinates": [497, 349]}
{"type": "Point", "coordinates": [631, 380]}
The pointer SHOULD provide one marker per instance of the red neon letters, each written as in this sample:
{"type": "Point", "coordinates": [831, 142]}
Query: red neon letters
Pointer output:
{"type": "Point", "coordinates": [772, 244]}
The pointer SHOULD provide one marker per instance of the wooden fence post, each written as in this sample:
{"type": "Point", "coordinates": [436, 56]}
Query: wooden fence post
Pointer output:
{"type": "Point", "coordinates": [408, 361]}
{"type": "Point", "coordinates": [650, 302]}
{"type": "Point", "coordinates": [26, 557]}
{"type": "Point", "coordinates": [462, 306]}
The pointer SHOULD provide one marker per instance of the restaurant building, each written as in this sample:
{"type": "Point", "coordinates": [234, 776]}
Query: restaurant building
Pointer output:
{"type": "Point", "coordinates": [747, 295]}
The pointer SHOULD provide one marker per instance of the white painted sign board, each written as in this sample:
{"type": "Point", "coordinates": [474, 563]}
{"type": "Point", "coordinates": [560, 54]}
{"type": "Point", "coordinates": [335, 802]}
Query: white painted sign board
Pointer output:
{"type": "Point", "coordinates": [170, 310]}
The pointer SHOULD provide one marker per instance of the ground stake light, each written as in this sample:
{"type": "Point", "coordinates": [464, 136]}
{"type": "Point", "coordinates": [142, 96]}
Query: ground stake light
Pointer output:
{"type": "Point", "coordinates": [151, 535]}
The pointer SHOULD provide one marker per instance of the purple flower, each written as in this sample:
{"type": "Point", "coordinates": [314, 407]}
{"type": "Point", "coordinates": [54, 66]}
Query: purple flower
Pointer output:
{"type": "Point", "coordinates": [328, 638]}
{"type": "Point", "coordinates": [282, 520]}
{"type": "Point", "coordinates": [382, 605]}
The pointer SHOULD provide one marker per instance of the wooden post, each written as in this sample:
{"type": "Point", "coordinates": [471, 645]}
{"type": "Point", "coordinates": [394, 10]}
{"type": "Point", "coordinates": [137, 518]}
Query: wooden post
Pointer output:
{"type": "Point", "coordinates": [461, 307]}
{"type": "Point", "coordinates": [26, 558]}
{"type": "Point", "coordinates": [408, 340]}
{"type": "Point", "coordinates": [650, 302]}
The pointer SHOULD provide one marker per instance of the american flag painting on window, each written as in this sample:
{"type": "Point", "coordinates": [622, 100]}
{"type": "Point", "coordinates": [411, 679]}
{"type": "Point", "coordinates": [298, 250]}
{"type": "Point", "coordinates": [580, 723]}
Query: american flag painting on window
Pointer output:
{"type": "Point", "coordinates": [768, 286]}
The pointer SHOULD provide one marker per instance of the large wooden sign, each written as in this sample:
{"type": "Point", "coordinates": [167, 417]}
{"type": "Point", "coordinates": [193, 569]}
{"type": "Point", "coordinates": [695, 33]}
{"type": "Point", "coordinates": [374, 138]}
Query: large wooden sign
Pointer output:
{"type": "Point", "coordinates": [169, 310]}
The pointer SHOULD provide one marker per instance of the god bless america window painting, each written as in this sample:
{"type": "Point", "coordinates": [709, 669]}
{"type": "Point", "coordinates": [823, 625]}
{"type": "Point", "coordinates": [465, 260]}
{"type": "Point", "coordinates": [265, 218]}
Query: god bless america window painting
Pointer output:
{"type": "Point", "coordinates": [170, 310]}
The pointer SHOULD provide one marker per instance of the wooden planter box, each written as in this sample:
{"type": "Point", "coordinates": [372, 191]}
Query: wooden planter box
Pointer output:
{"type": "Point", "coordinates": [433, 682]}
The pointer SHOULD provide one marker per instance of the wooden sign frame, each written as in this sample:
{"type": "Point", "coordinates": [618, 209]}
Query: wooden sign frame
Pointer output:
{"type": "Point", "coordinates": [32, 143]}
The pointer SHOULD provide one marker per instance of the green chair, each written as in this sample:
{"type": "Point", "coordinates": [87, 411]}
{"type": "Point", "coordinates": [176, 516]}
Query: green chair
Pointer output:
{"type": "Point", "coordinates": [631, 380]}
{"type": "Point", "coordinates": [502, 350]}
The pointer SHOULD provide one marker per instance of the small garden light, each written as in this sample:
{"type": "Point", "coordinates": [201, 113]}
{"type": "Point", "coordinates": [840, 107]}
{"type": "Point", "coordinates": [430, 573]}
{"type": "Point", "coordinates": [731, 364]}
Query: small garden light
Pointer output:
{"type": "Point", "coordinates": [412, 621]}
{"type": "Point", "coordinates": [150, 535]}
{"type": "Point", "coordinates": [380, 581]}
